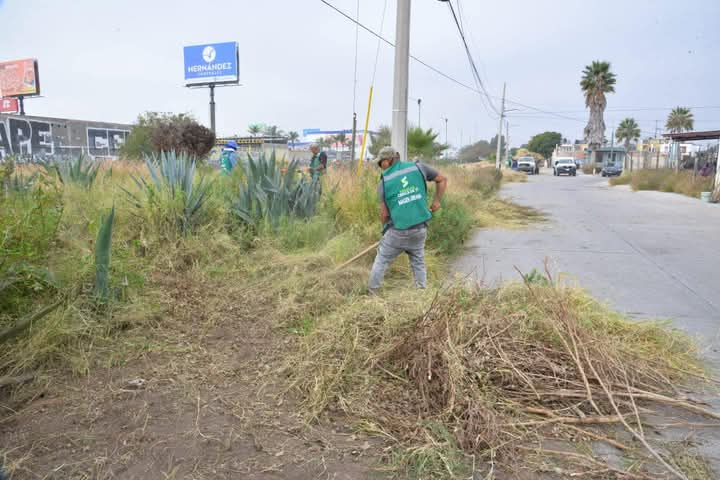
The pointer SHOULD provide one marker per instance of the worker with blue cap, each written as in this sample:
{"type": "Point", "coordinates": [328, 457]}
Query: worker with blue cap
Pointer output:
{"type": "Point", "coordinates": [228, 157]}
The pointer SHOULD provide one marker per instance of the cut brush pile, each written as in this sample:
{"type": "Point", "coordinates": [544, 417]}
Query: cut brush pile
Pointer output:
{"type": "Point", "coordinates": [490, 378]}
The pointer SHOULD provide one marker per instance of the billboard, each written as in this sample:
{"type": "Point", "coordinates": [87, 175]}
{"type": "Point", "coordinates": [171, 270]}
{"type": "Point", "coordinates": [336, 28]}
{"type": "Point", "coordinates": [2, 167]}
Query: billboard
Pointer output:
{"type": "Point", "coordinates": [9, 105]}
{"type": "Point", "coordinates": [211, 63]}
{"type": "Point", "coordinates": [19, 78]}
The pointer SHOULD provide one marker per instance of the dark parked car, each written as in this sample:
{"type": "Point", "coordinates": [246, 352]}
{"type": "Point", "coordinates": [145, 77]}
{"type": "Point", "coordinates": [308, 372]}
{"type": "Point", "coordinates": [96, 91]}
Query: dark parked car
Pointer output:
{"type": "Point", "coordinates": [611, 171]}
{"type": "Point", "coordinates": [564, 167]}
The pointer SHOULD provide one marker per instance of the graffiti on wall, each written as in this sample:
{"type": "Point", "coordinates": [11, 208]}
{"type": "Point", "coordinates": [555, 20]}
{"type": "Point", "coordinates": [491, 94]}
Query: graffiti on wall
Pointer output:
{"type": "Point", "coordinates": [105, 142]}
{"type": "Point", "coordinates": [25, 137]}
{"type": "Point", "coordinates": [34, 138]}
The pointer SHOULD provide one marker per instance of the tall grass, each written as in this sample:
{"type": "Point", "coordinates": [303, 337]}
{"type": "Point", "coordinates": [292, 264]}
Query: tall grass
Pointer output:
{"type": "Point", "coordinates": [665, 180]}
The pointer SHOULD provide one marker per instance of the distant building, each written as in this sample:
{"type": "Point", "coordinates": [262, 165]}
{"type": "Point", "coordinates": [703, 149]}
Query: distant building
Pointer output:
{"type": "Point", "coordinates": [333, 148]}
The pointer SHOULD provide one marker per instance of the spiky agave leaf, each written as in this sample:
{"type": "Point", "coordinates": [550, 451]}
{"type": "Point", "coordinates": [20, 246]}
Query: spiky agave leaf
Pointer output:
{"type": "Point", "coordinates": [103, 245]}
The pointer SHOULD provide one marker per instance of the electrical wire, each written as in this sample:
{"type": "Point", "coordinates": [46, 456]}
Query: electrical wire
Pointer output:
{"type": "Point", "coordinates": [473, 66]}
{"type": "Point", "coordinates": [377, 51]}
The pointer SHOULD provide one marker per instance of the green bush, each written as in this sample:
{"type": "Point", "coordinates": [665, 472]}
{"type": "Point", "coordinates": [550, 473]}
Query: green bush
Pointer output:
{"type": "Point", "coordinates": [451, 225]}
{"type": "Point", "coordinates": [161, 132]}
{"type": "Point", "coordinates": [82, 171]}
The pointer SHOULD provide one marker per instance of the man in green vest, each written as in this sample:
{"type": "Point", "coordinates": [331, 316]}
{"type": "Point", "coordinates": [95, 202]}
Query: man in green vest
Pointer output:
{"type": "Point", "coordinates": [404, 214]}
{"type": "Point", "coordinates": [318, 162]}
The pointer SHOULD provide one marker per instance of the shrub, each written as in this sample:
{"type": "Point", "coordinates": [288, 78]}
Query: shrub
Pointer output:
{"type": "Point", "coordinates": [450, 226]}
{"type": "Point", "coordinates": [623, 179]}
{"type": "Point", "coordinates": [82, 172]}
{"type": "Point", "coordinates": [665, 180]}
{"type": "Point", "coordinates": [155, 133]}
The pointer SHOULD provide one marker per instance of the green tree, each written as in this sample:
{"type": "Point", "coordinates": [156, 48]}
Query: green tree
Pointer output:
{"type": "Point", "coordinates": [272, 131]}
{"type": "Point", "coordinates": [544, 143]}
{"type": "Point", "coordinates": [597, 80]}
{"type": "Point", "coordinates": [381, 138]}
{"type": "Point", "coordinates": [680, 120]}
{"type": "Point", "coordinates": [293, 137]}
{"type": "Point", "coordinates": [155, 132]}
{"type": "Point", "coordinates": [254, 129]}
{"type": "Point", "coordinates": [476, 151]}
{"type": "Point", "coordinates": [628, 131]}
{"type": "Point", "coordinates": [423, 144]}
{"type": "Point", "coordinates": [493, 143]}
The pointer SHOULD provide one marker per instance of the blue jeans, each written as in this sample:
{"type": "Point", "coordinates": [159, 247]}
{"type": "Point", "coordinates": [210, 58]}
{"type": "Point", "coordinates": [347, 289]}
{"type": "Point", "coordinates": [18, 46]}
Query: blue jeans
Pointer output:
{"type": "Point", "coordinates": [395, 242]}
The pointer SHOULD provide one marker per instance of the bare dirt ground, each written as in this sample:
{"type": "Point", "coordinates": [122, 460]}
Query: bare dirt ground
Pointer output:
{"type": "Point", "coordinates": [210, 404]}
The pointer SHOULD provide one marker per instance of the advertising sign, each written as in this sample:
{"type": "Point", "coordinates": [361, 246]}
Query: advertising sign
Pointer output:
{"type": "Point", "coordinates": [9, 105]}
{"type": "Point", "coordinates": [211, 63]}
{"type": "Point", "coordinates": [19, 78]}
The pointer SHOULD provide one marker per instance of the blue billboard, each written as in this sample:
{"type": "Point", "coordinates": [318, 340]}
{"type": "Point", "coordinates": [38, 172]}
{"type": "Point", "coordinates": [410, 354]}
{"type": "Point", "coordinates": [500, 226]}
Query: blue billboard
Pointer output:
{"type": "Point", "coordinates": [211, 63]}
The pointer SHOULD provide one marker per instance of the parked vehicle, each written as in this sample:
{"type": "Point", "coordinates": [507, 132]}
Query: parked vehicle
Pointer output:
{"type": "Point", "coordinates": [527, 166]}
{"type": "Point", "coordinates": [611, 170]}
{"type": "Point", "coordinates": [565, 167]}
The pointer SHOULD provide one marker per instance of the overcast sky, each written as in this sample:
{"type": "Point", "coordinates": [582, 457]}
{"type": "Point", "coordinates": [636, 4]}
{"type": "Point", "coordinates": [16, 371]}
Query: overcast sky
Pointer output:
{"type": "Point", "coordinates": [103, 60]}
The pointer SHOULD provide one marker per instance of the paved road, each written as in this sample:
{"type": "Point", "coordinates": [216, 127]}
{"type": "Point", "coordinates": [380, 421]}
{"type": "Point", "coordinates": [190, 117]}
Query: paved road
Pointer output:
{"type": "Point", "coordinates": [648, 254]}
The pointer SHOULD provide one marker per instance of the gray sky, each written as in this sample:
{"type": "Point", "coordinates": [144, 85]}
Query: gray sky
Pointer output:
{"type": "Point", "coordinates": [105, 60]}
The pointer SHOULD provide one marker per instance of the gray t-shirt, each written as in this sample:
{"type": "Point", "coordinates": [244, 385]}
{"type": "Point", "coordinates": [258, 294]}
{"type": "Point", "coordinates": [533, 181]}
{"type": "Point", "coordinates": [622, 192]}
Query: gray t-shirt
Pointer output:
{"type": "Point", "coordinates": [428, 172]}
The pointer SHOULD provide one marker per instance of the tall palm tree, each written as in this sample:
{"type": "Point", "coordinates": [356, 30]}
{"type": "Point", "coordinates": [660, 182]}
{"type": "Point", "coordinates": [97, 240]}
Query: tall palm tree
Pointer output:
{"type": "Point", "coordinates": [293, 136]}
{"type": "Point", "coordinates": [272, 131]}
{"type": "Point", "coordinates": [680, 120]}
{"type": "Point", "coordinates": [597, 80]}
{"type": "Point", "coordinates": [628, 131]}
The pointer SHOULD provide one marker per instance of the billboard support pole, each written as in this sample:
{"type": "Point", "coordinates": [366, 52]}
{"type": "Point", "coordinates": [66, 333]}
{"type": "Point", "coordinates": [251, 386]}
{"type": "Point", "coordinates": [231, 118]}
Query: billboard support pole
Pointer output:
{"type": "Point", "coordinates": [212, 107]}
{"type": "Point", "coordinates": [21, 101]}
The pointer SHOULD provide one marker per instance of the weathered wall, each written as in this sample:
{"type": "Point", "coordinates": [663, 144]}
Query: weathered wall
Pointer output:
{"type": "Point", "coordinates": [41, 137]}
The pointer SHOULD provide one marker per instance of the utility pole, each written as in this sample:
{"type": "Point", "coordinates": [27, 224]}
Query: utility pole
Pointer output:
{"type": "Point", "coordinates": [352, 145]}
{"type": "Point", "coordinates": [500, 127]}
{"type": "Point", "coordinates": [507, 142]}
{"type": "Point", "coordinates": [419, 109]}
{"type": "Point", "coordinates": [212, 107]}
{"type": "Point", "coordinates": [400, 79]}
{"type": "Point", "coordinates": [656, 129]}
{"type": "Point", "coordinates": [446, 137]}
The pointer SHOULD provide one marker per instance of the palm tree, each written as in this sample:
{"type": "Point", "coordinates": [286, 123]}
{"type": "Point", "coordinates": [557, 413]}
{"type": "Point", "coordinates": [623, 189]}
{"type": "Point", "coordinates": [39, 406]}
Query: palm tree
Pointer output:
{"type": "Point", "coordinates": [379, 140]}
{"type": "Point", "coordinates": [680, 120]}
{"type": "Point", "coordinates": [254, 129]}
{"type": "Point", "coordinates": [272, 131]}
{"type": "Point", "coordinates": [423, 144]}
{"type": "Point", "coordinates": [293, 136]}
{"type": "Point", "coordinates": [340, 138]}
{"type": "Point", "coordinates": [629, 131]}
{"type": "Point", "coordinates": [597, 80]}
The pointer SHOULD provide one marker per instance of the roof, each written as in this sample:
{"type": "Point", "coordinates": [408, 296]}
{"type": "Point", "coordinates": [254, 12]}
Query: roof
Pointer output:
{"type": "Point", "coordinates": [707, 135]}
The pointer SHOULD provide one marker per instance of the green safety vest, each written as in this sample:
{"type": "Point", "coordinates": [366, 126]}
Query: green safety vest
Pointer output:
{"type": "Point", "coordinates": [225, 165]}
{"type": "Point", "coordinates": [314, 163]}
{"type": "Point", "coordinates": [406, 195]}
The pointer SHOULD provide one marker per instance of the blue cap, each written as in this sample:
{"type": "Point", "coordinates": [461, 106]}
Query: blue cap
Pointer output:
{"type": "Point", "coordinates": [232, 144]}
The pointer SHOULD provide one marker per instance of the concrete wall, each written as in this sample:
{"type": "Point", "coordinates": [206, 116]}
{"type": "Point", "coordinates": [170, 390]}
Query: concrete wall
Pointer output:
{"type": "Point", "coordinates": [43, 137]}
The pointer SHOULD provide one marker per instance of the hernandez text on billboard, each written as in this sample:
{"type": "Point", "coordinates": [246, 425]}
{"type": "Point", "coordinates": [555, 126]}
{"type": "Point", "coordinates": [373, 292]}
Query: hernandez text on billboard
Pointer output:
{"type": "Point", "coordinates": [211, 63]}
{"type": "Point", "coordinates": [19, 78]}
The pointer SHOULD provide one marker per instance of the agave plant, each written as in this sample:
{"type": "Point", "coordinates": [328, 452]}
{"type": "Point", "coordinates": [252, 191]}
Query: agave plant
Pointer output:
{"type": "Point", "coordinates": [172, 189]}
{"type": "Point", "coordinates": [271, 192]}
{"type": "Point", "coordinates": [103, 245]}
{"type": "Point", "coordinates": [81, 171]}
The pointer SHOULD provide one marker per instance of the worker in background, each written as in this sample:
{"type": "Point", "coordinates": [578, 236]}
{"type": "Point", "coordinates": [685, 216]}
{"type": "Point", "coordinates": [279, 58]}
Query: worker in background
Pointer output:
{"type": "Point", "coordinates": [318, 162]}
{"type": "Point", "coordinates": [228, 157]}
{"type": "Point", "coordinates": [404, 214]}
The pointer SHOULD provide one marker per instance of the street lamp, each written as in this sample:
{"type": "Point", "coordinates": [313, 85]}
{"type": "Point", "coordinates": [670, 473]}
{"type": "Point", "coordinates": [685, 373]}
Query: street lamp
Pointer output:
{"type": "Point", "coordinates": [446, 132]}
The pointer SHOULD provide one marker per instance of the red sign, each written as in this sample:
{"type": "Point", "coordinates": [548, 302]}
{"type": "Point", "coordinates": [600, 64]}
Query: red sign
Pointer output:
{"type": "Point", "coordinates": [19, 77]}
{"type": "Point", "coordinates": [9, 105]}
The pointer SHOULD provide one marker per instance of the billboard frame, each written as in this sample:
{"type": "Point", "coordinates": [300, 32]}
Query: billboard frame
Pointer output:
{"type": "Point", "coordinates": [213, 83]}
{"type": "Point", "coordinates": [36, 72]}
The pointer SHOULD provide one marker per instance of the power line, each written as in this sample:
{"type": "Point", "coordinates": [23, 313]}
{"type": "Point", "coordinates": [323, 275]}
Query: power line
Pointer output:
{"type": "Point", "coordinates": [380, 37]}
{"type": "Point", "coordinates": [473, 67]}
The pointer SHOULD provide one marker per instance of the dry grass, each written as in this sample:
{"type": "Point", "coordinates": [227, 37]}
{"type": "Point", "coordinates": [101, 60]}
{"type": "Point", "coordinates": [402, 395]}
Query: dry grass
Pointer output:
{"type": "Point", "coordinates": [481, 374]}
{"type": "Point", "coordinates": [665, 180]}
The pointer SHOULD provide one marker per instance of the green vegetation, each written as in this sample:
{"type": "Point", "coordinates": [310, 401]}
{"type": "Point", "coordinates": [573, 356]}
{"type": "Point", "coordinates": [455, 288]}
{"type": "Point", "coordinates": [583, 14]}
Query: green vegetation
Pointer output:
{"type": "Point", "coordinates": [679, 120]}
{"type": "Point", "coordinates": [665, 180]}
{"type": "Point", "coordinates": [597, 81]}
{"type": "Point", "coordinates": [422, 144]}
{"type": "Point", "coordinates": [154, 133]}
{"type": "Point", "coordinates": [544, 143]}
{"type": "Point", "coordinates": [81, 171]}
